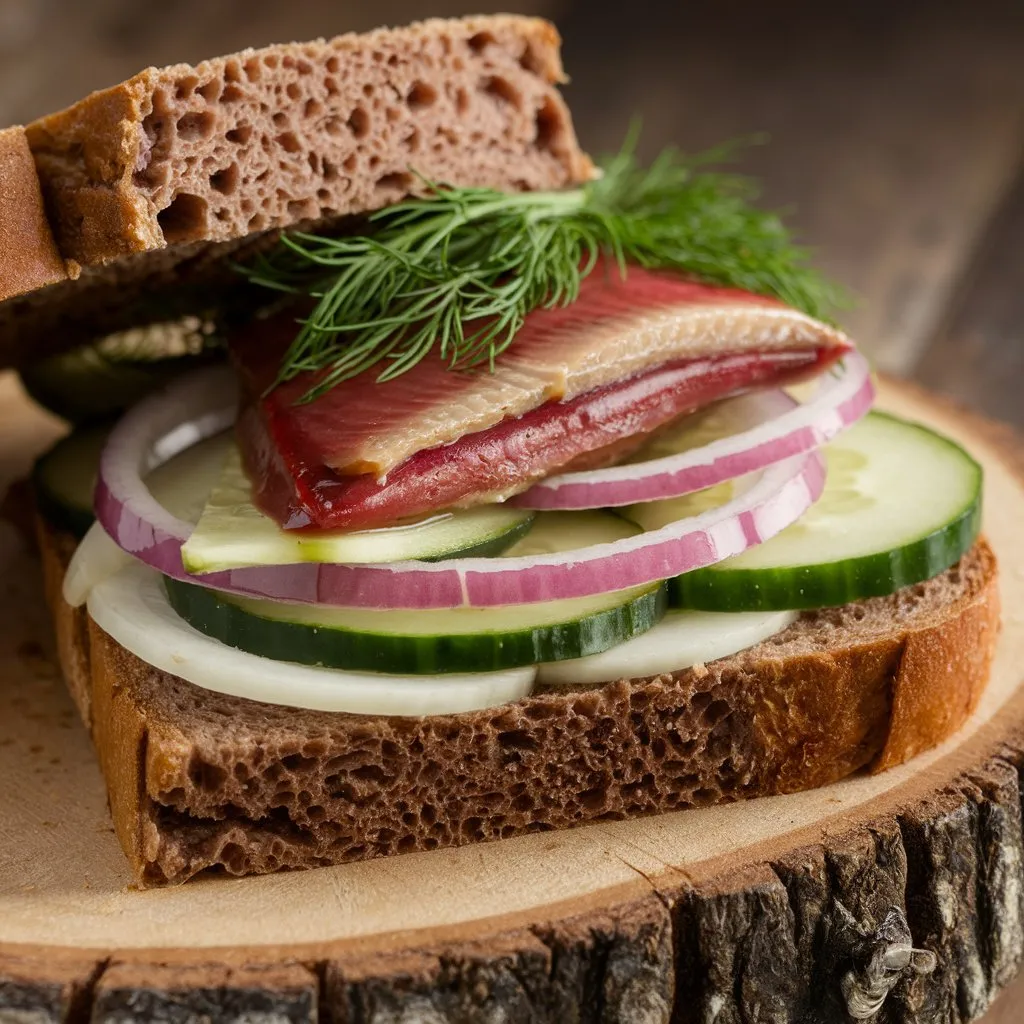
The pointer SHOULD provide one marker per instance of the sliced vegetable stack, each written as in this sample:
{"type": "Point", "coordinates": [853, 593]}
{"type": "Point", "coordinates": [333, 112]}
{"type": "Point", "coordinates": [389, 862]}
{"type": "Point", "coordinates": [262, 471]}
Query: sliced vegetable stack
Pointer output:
{"type": "Point", "coordinates": [869, 534]}
{"type": "Point", "coordinates": [256, 588]}
{"type": "Point", "coordinates": [429, 641]}
{"type": "Point", "coordinates": [608, 479]}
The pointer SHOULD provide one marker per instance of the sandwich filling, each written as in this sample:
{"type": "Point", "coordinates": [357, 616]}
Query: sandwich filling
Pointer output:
{"type": "Point", "coordinates": [583, 386]}
{"type": "Point", "coordinates": [500, 436]}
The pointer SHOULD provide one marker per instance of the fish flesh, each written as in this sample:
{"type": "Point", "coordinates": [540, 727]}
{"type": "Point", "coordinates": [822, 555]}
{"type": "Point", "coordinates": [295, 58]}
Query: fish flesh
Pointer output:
{"type": "Point", "coordinates": [579, 385]}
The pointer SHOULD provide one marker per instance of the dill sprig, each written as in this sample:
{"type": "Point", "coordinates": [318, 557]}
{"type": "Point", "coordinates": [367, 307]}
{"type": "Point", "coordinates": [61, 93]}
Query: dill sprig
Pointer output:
{"type": "Point", "coordinates": [458, 270]}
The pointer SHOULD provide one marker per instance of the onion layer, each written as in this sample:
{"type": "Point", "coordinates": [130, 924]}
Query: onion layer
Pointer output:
{"type": "Point", "coordinates": [788, 429]}
{"type": "Point", "coordinates": [132, 607]}
{"type": "Point", "coordinates": [196, 407]}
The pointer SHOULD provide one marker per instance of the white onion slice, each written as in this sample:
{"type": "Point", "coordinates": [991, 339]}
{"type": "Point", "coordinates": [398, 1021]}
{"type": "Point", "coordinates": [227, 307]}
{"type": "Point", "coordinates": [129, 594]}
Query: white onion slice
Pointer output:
{"type": "Point", "coordinates": [132, 607]}
{"type": "Point", "coordinates": [680, 640]}
{"type": "Point", "coordinates": [195, 407]}
{"type": "Point", "coordinates": [96, 558]}
{"type": "Point", "coordinates": [842, 397]}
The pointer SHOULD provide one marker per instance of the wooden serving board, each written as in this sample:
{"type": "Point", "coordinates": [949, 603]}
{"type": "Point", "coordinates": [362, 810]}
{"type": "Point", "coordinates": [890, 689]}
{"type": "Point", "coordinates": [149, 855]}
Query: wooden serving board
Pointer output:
{"type": "Point", "coordinates": [772, 910]}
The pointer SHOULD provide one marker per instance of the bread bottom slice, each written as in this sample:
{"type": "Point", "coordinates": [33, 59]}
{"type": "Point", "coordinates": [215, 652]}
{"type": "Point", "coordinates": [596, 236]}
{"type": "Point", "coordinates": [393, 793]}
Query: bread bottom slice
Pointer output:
{"type": "Point", "coordinates": [199, 780]}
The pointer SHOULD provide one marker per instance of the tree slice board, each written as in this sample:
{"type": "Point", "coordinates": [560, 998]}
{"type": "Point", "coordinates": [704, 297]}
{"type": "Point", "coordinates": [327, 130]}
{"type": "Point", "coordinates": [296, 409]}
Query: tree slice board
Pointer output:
{"type": "Point", "coordinates": [790, 908]}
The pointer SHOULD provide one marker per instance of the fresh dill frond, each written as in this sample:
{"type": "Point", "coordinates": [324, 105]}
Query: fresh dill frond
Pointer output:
{"type": "Point", "coordinates": [458, 270]}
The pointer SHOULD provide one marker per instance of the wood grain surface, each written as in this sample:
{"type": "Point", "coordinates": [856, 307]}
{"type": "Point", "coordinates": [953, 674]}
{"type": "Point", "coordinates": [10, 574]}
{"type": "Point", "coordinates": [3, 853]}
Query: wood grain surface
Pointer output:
{"type": "Point", "coordinates": [978, 353]}
{"type": "Point", "coordinates": [895, 128]}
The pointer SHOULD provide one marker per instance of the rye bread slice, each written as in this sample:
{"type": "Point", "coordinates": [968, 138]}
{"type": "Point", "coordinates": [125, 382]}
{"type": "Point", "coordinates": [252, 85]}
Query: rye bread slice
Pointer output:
{"type": "Point", "coordinates": [152, 182]}
{"type": "Point", "coordinates": [30, 258]}
{"type": "Point", "coordinates": [199, 780]}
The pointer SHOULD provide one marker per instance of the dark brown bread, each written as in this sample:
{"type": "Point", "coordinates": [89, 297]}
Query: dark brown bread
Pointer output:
{"type": "Point", "coordinates": [30, 259]}
{"type": "Point", "coordinates": [199, 780]}
{"type": "Point", "coordinates": [149, 182]}
{"type": "Point", "coordinates": [297, 132]}
{"type": "Point", "coordinates": [71, 625]}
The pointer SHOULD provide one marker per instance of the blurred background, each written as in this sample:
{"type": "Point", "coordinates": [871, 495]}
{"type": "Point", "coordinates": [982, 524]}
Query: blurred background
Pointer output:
{"type": "Point", "coordinates": [896, 129]}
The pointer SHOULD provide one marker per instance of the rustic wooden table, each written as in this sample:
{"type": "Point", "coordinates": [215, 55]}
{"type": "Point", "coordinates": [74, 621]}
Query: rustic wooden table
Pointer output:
{"type": "Point", "coordinates": [897, 136]}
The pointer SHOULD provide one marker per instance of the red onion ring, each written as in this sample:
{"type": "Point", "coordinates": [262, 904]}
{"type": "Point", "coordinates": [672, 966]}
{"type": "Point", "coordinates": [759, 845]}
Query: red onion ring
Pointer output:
{"type": "Point", "coordinates": [190, 409]}
{"type": "Point", "coordinates": [197, 406]}
{"type": "Point", "coordinates": [840, 400]}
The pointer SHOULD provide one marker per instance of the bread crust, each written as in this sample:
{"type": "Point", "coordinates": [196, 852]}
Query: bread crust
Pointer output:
{"type": "Point", "coordinates": [30, 258]}
{"type": "Point", "coordinates": [70, 625]}
{"type": "Point", "coordinates": [942, 673]}
{"type": "Point", "coordinates": [198, 779]}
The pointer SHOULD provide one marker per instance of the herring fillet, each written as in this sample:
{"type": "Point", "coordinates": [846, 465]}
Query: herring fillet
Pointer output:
{"type": "Point", "coordinates": [615, 329]}
{"type": "Point", "coordinates": [595, 428]}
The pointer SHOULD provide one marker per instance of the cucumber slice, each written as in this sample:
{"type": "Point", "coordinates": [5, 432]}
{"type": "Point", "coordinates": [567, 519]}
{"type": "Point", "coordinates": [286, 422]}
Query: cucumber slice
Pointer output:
{"type": "Point", "coordinates": [714, 422]}
{"type": "Point", "coordinates": [64, 479]}
{"type": "Point", "coordinates": [232, 533]}
{"type": "Point", "coordinates": [430, 641]}
{"type": "Point", "coordinates": [901, 504]}
{"type": "Point", "coordinates": [554, 532]}
{"type": "Point", "coordinates": [132, 607]}
{"type": "Point", "coordinates": [102, 380]}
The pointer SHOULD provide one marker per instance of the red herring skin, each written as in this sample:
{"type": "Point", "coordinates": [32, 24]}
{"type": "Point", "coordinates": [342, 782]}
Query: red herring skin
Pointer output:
{"type": "Point", "coordinates": [580, 386]}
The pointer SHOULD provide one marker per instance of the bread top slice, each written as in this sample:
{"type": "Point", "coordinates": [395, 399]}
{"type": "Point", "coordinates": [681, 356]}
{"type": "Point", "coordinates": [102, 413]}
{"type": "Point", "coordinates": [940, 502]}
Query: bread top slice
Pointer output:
{"type": "Point", "coordinates": [29, 257]}
{"type": "Point", "coordinates": [150, 184]}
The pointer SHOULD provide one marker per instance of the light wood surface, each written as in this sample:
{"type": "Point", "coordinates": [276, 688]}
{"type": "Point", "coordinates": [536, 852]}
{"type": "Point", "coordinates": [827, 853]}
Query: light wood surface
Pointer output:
{"type": "Point", "coordinates": [895, 129]}
{"type": "Point", "coordinates": [63, 882]}
{"type": "Point", "coordinates": [1009, 1007]}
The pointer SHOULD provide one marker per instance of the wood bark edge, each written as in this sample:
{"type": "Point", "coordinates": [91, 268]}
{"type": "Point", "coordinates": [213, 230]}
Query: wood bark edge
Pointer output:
{"type": "Point", "coordinates": [769, 941]}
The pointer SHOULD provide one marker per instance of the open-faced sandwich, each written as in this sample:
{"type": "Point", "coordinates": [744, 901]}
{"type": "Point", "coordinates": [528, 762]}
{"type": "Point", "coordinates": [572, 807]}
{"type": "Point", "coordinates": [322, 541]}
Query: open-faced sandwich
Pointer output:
{"type": "Point", "coordinates": [497, 494]}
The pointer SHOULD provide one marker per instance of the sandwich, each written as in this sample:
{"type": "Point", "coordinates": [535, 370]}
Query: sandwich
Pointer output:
{"type": "Point", "coordinates": [429, 484]}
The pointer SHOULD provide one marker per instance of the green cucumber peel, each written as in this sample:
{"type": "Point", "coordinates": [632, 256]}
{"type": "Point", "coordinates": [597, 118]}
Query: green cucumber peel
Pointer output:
{"type": "Point", "coordinates": [938, 475]}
